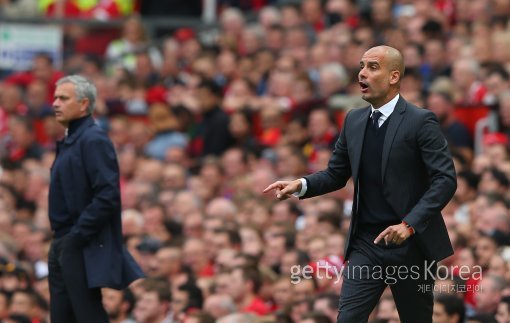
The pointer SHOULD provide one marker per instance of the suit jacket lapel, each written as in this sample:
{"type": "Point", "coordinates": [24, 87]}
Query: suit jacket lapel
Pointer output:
{"type": "Point", "coordinates": [359, 127]}
{"type": "Point", "coordinates": [391, 131]}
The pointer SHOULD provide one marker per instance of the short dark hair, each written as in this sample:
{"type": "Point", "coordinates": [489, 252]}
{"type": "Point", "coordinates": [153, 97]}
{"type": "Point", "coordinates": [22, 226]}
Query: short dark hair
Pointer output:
{"type": "Point", "coordinates": [202, 317]}
{"type": "Point", "coordinates": [452, 305]}
{"type": "Point", "coordinates": [471, 178]}
{"type": "Point", "coordinates": [233, 235]}
{"type": "Point", "coordinates": [160, 286]}
{"type": "Point", "coordinates": [500, 177]}
{"type": "Point", "coordinates": [195, 297]}
{"type": "Point", "coordinates": [44, 55]}
{"type": "Point", "coordinates": [212, 87]}
{"type": "Point", "coordinates": [19, 318]}
{"type": "Point", "coordinates": [505, 300]}
{"type": "Point", "coordinates": [499, 70]}
{"type": "Point", "coordinates": [129, 297]}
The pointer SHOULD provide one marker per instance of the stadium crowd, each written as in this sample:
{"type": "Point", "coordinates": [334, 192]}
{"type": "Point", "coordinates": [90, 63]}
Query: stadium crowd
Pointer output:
{"type": "Point", "coordinates": [204, 120]}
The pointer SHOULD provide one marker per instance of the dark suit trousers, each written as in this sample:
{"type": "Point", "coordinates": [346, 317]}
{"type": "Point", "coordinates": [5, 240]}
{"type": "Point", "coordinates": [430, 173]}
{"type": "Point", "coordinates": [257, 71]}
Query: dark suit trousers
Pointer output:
{"type": "Point", "coordinates": [71, 299]}
{"type": "Point", "coordinates": [373, 267]}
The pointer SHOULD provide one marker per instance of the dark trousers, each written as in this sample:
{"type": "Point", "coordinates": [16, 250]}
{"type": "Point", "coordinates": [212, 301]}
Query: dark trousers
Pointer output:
{"type": "Point", "coordinates": [373, 267]}
{"type": "Point", "coordinates": [71, 299]}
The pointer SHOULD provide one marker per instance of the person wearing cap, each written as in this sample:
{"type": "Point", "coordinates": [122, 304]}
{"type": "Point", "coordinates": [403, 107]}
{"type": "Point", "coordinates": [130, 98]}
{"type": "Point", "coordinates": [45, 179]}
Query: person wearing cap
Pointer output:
{"type": "Point", "coordinates": [403, 177]}
{"type": "Point", "coordinates": [87, 253]}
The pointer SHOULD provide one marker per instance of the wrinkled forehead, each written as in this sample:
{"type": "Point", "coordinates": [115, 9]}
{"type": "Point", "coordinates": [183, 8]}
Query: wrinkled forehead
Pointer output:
{"type": "Point", "coordinates": [376, 54]}
{"type": "Point", "coordinates": [65, 88]}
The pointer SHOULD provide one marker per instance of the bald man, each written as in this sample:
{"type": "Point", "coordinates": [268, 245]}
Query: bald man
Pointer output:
{"type": "Point", "coordinates": [404, 176]}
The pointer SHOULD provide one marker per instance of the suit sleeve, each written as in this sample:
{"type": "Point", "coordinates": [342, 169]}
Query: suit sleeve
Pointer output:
{"type": "Point", "coordinates": [337, 173]}
{"type": "Point", "coordinates": [438, 162]}
{"type": "Point", "coordinates": [102, 170]}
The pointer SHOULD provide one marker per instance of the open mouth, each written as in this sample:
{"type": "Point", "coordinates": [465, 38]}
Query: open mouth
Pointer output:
{"type": "Point", "coordinates": [364, 87]}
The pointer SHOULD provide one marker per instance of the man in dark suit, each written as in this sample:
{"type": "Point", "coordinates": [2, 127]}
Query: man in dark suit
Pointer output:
{"type": "Point", "coordinates": [84, 209]}
{"type": "Point", "coordinates": [403, 176]}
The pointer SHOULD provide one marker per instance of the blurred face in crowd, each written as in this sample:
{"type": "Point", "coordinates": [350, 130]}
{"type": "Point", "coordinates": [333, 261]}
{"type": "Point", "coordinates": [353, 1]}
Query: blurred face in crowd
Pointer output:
{"type": "Point", "coordinates": [497, 266]}
{"type": "Point", "coordinates": [67, 105]}
{"type": "Point", "coordinates": [10, 98]}
{"type": "Point", "coordinates": [222, 283]}
{"type": "Point", "coordinates": [168, 261]}
{"type": "Point", "coordinates": [283, 292]}
{"type": "Point", "coordinates": [194, 254]}
{"type": "Point", "coordinates": [215, 305]}
{"type": "Point", "coordinates": [503, 313]}
{"type": "Point", "coordinates": [237, 286]}
{"type": "Point", "coordinates": [206, 99]}
{"type": "Point", "coordinates": [239, 126]}
{"type": "Point", "coordinates": [288, 260]}
{"type": "Point", "coordinates": [112, 302]}
{"type": "Point", "coordinates": [233, 163]}
{"type": "Point", "coordinates": [488, 295]}
{"type": "Point", "coordinates": [440, 315]}
{"type": "Point", "coordinates": [318, 124]}
{"type": "Point", "coordinates": [251, 242]}
{"type": "Point", "coordinates": [495, 84]}
{"type": "Point", "coordinates": [36, 94]}
{"type": "Point", "coordinates": [149, 307]}
{"type": "Point", "coordinates": [386, 309]}
{"type": "Point", "coordinates": [133, 30]}
{"type": "Point", "coordinates": [441, 107]}
{"type": "Point", "coordinates": [335, 244]}
{"type": "Point", "coordinates": [485, 249]}
{"type": "Point", "coordinates": [434, 53]}
{"type": "Point", "coordinates": [42, 68]}
{"type": "Point", "coordinates": [21, 303]}
{"type": "Point", "coordinates": [304, 289]}
{"type": "Point", "coordinates": [290, 17]}
{"type": "Point", "coordinates": [317, 249]}
{"type": "Point", "coordinates": [312, 10]}
{"type": "Point", "coordinates": [179, 301]}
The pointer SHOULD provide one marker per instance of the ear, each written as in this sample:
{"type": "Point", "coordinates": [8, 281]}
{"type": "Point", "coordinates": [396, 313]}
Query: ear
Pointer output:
{"type": "Point", "coordinates": [84, 104]}
{"type": "Point", "coordinates": [394, 77]}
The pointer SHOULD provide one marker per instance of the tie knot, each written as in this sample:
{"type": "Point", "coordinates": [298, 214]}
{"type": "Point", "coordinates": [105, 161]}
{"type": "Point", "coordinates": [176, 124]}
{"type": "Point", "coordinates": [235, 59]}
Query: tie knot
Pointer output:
{"type": "Point", "coordinates": [375, 117]}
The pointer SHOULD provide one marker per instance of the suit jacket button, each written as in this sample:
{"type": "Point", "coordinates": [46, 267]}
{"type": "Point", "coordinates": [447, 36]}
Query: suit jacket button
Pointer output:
{"type": "Point", "coordinates": [100, 246]}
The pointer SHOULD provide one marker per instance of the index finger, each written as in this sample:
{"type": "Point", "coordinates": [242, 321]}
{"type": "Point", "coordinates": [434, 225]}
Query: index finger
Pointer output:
{"type": "Point", "coordinates": [381, 236]}
{"type": "Point", "coordinates": [271, 187]}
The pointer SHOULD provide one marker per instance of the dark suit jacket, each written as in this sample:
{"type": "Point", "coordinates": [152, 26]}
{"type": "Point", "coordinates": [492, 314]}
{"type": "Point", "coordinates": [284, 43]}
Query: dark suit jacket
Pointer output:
{"type": "Point", "coordinates": [87, 165]}
{"type": "Point", "coordinates": [417, 172]}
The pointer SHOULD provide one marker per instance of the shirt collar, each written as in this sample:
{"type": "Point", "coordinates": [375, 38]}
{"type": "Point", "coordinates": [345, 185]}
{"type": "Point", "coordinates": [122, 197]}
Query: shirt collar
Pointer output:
{"type": "Point", "coordinates": [388, 108]}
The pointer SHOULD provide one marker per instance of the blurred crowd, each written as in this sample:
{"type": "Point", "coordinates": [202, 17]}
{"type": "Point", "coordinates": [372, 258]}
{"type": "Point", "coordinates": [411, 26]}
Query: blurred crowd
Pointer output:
{"type": "Point", "coordinates": [203, 120]}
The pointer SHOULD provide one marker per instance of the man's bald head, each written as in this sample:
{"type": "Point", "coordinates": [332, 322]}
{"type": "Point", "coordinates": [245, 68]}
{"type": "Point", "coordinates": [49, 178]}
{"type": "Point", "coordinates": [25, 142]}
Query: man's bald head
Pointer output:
{"type": "Point", "coordinates": [381, 72]}
{"type": "Point", "coordinates": [393, 58]}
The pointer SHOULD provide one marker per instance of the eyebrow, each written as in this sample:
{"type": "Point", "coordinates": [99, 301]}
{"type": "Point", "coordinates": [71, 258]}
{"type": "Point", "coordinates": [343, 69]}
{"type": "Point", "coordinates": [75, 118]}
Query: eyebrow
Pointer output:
{"type": "Point", "coordinates": [369, 63]}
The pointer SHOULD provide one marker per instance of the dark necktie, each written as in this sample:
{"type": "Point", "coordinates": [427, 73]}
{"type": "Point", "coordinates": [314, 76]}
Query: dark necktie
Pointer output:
{"type": "Point", "coordinates": [375, 118]}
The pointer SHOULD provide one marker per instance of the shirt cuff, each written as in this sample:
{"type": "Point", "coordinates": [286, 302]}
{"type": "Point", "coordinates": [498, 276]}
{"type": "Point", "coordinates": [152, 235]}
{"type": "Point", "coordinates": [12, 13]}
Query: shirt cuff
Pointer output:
{"type": "Point", "coordinates": [303, 188]}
